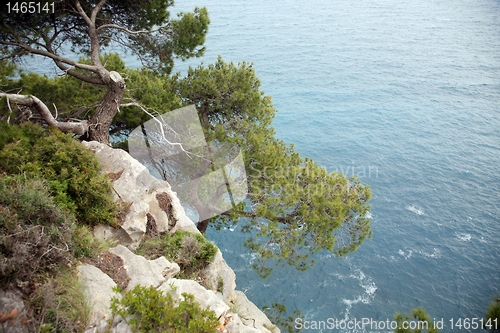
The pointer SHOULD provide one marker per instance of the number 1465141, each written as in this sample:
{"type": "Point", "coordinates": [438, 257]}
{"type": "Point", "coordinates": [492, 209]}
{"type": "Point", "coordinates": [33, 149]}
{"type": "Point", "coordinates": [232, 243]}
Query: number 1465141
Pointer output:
{"type": "Point", "coordinates": [474, 323]}
{"type": "Point", "coordinates": [30, 7]}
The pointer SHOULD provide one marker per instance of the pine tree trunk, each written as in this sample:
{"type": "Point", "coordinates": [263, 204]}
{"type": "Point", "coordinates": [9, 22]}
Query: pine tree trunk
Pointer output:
{"type": "Point", "coordinates": [101, 120]}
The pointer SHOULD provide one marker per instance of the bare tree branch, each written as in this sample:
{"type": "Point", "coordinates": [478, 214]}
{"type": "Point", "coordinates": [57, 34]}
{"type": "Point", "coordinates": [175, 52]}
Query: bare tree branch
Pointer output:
{"type": "Point", "coordinates": [80, 76]}
{"type": "Point", "coordinates": [161, 124]}
{"type": "Point", "coordinates": [119, 27]}
{"type": "Point", "coordinates": [53, 56]}
{"type": "Point", "coordinates": [32, 101]}
{"type": "Point", "coordinates": [84, 15]}
{"type": "Point", "coordinates": [96, 10]}
{"type": "Point", "coordinates": [94, 38]}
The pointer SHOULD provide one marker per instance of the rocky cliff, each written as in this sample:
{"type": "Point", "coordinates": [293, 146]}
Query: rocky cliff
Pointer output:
{"type": "Point", "coordinates": [152, 206]}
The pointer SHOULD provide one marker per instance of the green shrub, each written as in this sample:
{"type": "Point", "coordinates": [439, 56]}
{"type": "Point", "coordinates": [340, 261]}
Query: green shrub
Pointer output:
{"type": "Point", "coordinates": [277, 314]}
{"type": "Point", "coordinates": [73, 172]}
{"type": "Point", "coordinates": [421, 321]}
{"type": "Point", "coordinates": [492, 321]}
{"type": "Point", "coordinates": [35, 235]}
{"type": "Point", "coordinates": [51, 193]}
{"type": "Point", "coordinates": [85, 244]}
{"type": "Point", "coordinates": [149, 310]}
{"type": "Point", "coordinates": [191, 251]}
{"type": "Point", "coordinates": [61, 304]}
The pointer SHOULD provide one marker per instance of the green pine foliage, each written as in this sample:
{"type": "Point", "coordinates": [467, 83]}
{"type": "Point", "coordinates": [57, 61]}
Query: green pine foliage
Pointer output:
{"type": "Point", "coordinates": [71, 171]}
{"type": "Point", "coordinates": [418, 318]}
{"type": "Point", "coordinates": [7, 73]}
{"type": "Point", "coordinates": [166, 39]}
{"type": "Point", "coordinates": [492, 322]}
{"type": "Point", "coordinates": [155, 91]}
{"type": "Point", "coordinates": [295, 207]}
{"type": "Point", "coordinates": [277, 314]}
{"type": "Point", "coordinates": [147, 310]}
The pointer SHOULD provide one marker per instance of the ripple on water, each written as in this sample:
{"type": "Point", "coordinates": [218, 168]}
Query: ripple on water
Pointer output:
{"type": "Point", "coordinates": [415, 209]}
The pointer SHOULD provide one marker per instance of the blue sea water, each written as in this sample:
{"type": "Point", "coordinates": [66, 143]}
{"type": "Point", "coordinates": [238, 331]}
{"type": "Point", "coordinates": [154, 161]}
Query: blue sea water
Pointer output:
{"type": "Point", "coordinates": [405, 95]}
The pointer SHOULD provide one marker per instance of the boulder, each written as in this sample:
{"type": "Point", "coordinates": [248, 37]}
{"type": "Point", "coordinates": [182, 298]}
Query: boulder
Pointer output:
{"type": "Point", "coordinates": [145, 272]}
{"type": "Point", "coordinates": [98, 288]}
{"type": "Point", "coordinates": [218, 275]}
{"type": "Point", "coordinates": [12, 313]}
{"type": "Point", "coordinates": [251, 315]}
{"type": "Point", "coordinates": [144, 197]}
{"type": "Point", "coordinates": [206, 298]}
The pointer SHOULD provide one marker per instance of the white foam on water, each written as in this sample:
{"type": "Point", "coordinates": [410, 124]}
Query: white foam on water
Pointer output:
{"type": "Point", "coordinates": [415, 209]}
{"type": "Point", "coordinates": [463, 237]}
{"type": "Point", "coordinates": [404, 255]}
{"type": "Point", "coordinates": [436, 253]}
{"type": "Point", "coordinates": [250, 258]}
{"type": "Point", "coordinates": [369, 288]}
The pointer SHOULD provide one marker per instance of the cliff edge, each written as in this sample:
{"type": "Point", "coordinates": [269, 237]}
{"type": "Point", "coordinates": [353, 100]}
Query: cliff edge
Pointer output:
{"type": "Point", "coordinates": [152, 207]}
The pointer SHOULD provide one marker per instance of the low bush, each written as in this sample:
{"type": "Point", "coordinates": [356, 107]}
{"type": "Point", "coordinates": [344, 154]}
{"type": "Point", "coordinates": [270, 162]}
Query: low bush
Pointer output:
{"type": "Point", "coordinates": [492, 321]}
{"type": "Point", "coordinates": [51, 194]}
{"type": "Point", "coordinates": [417, 318]}
{"type": "Point", "coordinates": [72, 171]}
{"type": "Point", "coordinates": [147, 309]}
{"type": "Point", "coordinates": [61, 304]}
{"type": "Point", "coordinates": [35, 235]}
{"type": "Point", "coordinates": [191, 251]}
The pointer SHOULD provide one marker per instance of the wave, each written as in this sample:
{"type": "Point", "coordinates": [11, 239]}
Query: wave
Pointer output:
{"type": "Point", "coordinates": [464, 237]}
{"type": "Point", "coordinates": [435, 254]}
{"type": "Point", "coordinates": [369, 288]}
{"type": "Point", "coordinates": [415, 209]}
{"type": "Point", "coordinates": [406, 256]}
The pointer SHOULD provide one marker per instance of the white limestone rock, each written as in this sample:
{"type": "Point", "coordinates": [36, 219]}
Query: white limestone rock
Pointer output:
{"type": "Point", "coordinates": [143, 194]}
{"type": "Point", "coordinates": [98, 288]}
{"type": "Point", "coordinates": [235, 325]}
{"type": "Point", "coordinates": [148, 198]}
{"type": "Point", "coordinates": [145, 272]}
{"type": "Point", "coordinates": [117, 326]}
{"type": "Point", "coordinates": [219, 272]}
{"type": "Point", "coordinates": [251, 315]}
{"type": "Point", "coordinates": [206, 298]}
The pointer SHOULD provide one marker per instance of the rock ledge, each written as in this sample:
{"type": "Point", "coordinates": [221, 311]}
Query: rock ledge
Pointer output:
{"type": "Point", "coordinates": [149, 199]}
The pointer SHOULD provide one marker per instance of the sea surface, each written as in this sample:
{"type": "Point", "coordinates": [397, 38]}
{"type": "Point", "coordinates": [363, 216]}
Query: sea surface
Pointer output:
{"type": "Point", "coordinates": [406, 96]}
